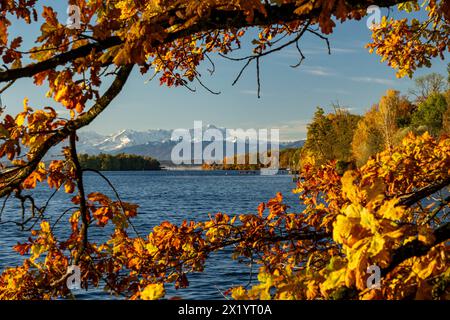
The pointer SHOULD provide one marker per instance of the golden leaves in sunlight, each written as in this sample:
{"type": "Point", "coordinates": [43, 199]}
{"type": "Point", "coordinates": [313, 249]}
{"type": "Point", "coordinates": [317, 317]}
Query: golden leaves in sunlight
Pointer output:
{"type": "Point", "coordinates": [408, 44]}
{"type": "Point", "coordinates": [153, 292]}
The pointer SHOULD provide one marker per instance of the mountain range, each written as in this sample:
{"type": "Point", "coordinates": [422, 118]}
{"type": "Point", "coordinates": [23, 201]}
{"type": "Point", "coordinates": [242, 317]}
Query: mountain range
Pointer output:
{"type": "Point", "coordinates": [156, 143]}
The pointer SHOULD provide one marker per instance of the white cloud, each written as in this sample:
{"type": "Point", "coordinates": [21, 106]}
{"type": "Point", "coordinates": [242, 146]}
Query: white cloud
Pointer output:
{"type": "Point", "coordinates": [289, 130]}
{"type": "Point", "coordinates": [343, 50]}
{"type": "Point", "coordinates": [317, 71]}
{"type": "Point", "coordinates": [318, 51]}
{"type": "Point", "coordinates": [382, 81]}
{"type": "Point", "coordinates": [249, 92]}
{"type": "Point", "coordinates": [293, 130]}
{"type": "Point", "coordinates": [263, 93]}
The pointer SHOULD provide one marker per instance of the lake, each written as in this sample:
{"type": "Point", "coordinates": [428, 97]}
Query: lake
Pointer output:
{"type": "Point", "coordinates": [166, 195]}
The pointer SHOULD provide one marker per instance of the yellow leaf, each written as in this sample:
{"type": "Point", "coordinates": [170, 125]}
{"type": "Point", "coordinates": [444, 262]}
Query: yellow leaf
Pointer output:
{"type": "Point", "coordinates": [356, 257]}
{"type": "Point", "coordinates": [238, 293]}
{"type": "Point", "coordinates": [335, 279]}
{"type": "Point", "coordinates": [151, 249]}
{"type": "Point", "coordinates": [341, 229]}
{"type": "Point", "coordinates": [424, 269]}
{"type": "Point", "coordinates": [368, 220]}
{"type": "Point", "coordinates": [376, 245]}
{"type": "Point", "coordinates": [348, 187]}
{"type": "Point", "coordinates": [265, 279]}
{"type": "Point", "coordinates": [25, 104]}
{"type": "Point", "coordinates": [312, 290]}
{"type": "Point", "coordinates": [375, 191]}
{"type": "Point", "coordinates": [21, 118]}
{"type": "Point", "coordinates": [153, 292]}
{"type": "Point", "coordinates": [68, 187]}
{"type": "Point", "coordinates": [36, 251]}
{"type": "Point", "coordinates": [45, 226]}
{"type": "Point", "coordinates": [389, 210]}
{"type": "Point", "coordinates": [265, 294]}
{"type": "Point", "coordinates": [353, 211]}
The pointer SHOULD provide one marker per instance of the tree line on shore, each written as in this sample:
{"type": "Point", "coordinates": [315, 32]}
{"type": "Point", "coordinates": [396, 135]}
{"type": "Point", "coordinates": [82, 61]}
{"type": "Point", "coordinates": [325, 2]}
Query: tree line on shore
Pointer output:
{"type": "Point", "coordinates": [119, 162]}
{"type": "Point", "coordinates": [287, 158]}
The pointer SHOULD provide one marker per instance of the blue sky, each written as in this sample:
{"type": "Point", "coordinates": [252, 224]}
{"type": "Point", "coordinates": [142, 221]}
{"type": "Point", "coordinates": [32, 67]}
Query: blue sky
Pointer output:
{"type": "Point", "coordinates": [350, 76]}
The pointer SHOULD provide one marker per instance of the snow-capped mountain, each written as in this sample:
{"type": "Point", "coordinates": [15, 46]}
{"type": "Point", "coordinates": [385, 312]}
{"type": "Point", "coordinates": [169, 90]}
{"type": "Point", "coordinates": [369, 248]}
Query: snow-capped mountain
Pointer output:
{"type": "Point", "coordinates": [128, 138]}
{"type": "Point", "coordinates": [157, 143]}
{"type": "Point", "coordinates": [92, 142]}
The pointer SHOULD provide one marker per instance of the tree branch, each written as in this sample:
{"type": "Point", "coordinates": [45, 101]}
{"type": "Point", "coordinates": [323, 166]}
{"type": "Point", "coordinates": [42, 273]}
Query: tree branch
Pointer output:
{"type": "Point", "coordinates": [417, 248]}
{"type": "Point", "coordinates": [411, 199]}
{"type": "Point", "coordinates": [12, 179]}
{"type": "Point", "coordinates": [58, 60]}
{"type": "Point", "coordinates": [219, 19]}
{"type": "Point", "coordinates": [84, 211]}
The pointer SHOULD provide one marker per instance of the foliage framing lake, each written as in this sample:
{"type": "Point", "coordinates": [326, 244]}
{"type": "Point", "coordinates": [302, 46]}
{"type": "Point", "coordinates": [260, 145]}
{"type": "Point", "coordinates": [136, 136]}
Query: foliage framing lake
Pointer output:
{"type": "Point", "coordinates": [166, 195]}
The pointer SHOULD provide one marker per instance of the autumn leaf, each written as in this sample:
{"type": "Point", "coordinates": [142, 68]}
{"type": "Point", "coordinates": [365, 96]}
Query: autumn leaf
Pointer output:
{"type": "Point", "coordinates": [153, 292]}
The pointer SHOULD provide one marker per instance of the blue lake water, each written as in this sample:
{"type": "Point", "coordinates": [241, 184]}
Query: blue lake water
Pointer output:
{"type": "Point", "coordinates": [167, 195]}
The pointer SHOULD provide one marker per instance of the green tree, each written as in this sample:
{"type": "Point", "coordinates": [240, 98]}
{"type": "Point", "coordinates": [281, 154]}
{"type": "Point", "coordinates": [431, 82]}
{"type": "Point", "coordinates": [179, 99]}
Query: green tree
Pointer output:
{"type": "Point", "coordinates": [446, 116]}
{"type": "Point", "coordinates": [120, 162]}
{"type": "Point", "coordinates": [448, 76]}
{"type": "Point", "coordinates": [318, 130]}
{"type": "Point", "coordinates": [344, 124]}
{"type": "Point", "coordinates": [430, 114]}
{"type": "Point", "coordinates": [329, 136]}
{"type": "Point", "coordinates": [290, 158]}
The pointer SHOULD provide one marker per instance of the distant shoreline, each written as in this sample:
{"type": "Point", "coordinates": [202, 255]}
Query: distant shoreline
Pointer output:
{"type": "Point", "coordinates": [199, 169]}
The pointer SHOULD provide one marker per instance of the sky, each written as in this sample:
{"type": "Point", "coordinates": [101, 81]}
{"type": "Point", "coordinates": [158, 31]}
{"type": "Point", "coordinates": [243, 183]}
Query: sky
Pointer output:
{"type": "Point", "coordinates": [349, 76]}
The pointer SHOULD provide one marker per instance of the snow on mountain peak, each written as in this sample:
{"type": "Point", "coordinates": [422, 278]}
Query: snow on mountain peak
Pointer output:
{"type": "Point", "coordinates": [128, 137]}
{"type": "Point", "coordinates": [94, 143]}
